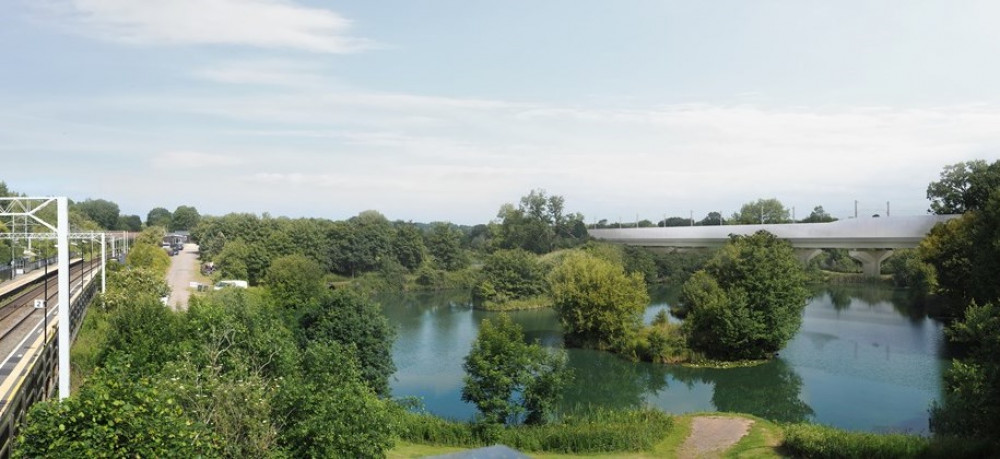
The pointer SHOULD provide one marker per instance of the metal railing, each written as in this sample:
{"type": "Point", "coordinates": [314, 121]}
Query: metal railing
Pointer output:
{"type": "Point", "coordinates": [26, 266]}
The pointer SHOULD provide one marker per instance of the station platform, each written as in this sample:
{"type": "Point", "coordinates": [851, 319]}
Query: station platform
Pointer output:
{"type": "Point", "coordinates": [16, 283]}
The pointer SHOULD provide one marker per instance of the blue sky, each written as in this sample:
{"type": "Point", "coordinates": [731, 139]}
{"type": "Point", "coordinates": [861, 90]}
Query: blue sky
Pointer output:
{"type": "Point", "coordinates": [445, 110]}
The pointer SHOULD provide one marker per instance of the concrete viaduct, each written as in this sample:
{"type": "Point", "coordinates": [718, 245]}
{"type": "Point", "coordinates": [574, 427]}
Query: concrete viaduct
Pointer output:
{"type": "Point", "coordinates": [869, 240]}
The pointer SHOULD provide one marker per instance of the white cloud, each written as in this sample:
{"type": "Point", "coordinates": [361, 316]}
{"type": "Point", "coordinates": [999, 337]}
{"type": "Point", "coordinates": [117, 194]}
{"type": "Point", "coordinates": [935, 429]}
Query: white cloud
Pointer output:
{"type": "Point", "coordinates": [192, 160]}
{"type": "Point", "coordinates": [430, 157]}
{"type": "Point", "coordinates": [258, 23]}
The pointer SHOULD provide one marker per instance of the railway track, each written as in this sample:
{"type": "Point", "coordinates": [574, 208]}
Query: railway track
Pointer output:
{"type": "Point", "coordinates": [15, 316]}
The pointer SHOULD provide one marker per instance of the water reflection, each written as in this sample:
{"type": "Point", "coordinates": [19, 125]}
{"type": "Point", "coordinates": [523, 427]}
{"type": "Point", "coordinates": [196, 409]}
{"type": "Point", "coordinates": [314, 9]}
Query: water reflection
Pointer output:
{"type": "Point", "coordinates": [601, 380]}
{"type": "Point", "coordinates": [865, 358]}
{"type": "Point", "coordinates": [771, 391]}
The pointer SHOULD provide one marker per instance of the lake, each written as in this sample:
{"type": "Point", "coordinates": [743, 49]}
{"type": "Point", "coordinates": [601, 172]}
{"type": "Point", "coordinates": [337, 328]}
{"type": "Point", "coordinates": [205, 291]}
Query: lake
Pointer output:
{"type": "Point", "coordinates": [866, 358]}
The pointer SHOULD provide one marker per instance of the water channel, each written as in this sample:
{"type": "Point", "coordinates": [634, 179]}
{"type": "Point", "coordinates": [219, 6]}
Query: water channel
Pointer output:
{"type": "Point", "coordinates": [866, 358]}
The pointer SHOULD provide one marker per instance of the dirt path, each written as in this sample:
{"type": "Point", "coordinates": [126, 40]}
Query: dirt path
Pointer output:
{"type": "Point", "coordinates": [711, 435]}
{"type": "Point", "coordinates": [183, 267]}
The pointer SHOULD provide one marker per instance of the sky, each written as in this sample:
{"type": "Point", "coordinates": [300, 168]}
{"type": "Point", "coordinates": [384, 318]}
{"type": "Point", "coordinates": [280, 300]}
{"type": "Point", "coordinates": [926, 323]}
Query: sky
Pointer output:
{"type": "Point", "coordinates": [444, 110]}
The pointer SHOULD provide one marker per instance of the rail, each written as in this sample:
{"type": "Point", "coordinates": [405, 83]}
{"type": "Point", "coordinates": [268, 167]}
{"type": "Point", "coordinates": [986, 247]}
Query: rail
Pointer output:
{"type": "Point", "coordinates": [39, 381]}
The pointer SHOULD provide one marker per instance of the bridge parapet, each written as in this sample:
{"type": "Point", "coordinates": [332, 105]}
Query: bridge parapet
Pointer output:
{"type": "Point", "coordinates": [861, 233]}
{"type": "Point", "coordinates": [870, 240]}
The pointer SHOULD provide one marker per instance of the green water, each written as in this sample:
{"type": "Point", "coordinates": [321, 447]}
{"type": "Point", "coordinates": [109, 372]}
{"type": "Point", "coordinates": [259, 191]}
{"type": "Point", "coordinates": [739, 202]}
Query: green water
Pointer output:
{"type": "Point", "coordinates": [866, 358]}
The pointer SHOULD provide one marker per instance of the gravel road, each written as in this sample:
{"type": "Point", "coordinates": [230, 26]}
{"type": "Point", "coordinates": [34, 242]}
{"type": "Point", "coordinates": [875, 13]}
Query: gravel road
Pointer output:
{"type": "Point", "coordinates": [711, 435]}
{"type": "Point", "coordinates": [183, 267]}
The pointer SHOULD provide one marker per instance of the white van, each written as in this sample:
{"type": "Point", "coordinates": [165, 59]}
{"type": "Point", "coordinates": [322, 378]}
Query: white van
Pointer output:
{"type": "Point", "coordinates": [230, 283]}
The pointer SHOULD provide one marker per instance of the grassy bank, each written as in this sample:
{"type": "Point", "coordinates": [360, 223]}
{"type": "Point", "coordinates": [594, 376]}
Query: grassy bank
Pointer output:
{"type": "Point", "coordinates": [815, 441]}
{"type": "Point", "coordinates": [666, 440]}
{"type": "Point", "coordinates": [535, 302]}
{"type": "Point", "coordinates": [599, 432]}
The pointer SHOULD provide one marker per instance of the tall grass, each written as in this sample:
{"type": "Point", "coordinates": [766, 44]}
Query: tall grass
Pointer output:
{"type": "Point", "coordinates": [600, 431]}
{"type": "Point", "coordinates": [814, 441]}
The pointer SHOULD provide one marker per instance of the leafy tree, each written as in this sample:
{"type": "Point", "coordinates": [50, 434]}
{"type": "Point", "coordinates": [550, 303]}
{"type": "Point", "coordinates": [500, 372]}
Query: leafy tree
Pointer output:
{"type": "Point", "coordinates": [964, 187]}
{"type": "Point", "coordinates": [113, 416]}
{"type": "Point", "coordinates": [125, 285]}
{"type": "Point", "coordinates": [329, 412]}
{"type": "Point", "coordinates": [232, 261]}
{"type": "Point", "coordinates": [151, 236]}
{"type": "Point", "coordinates": [598, 304]}
{"type": "Point", "coordinates": [236, 328]}
{"type": "Point", "coordinates": [144, 331]}
{"type": "Point", "coordinates": [212, 233]}
{"type": "Point", "coordinates": [675, 221]}
{"type": "Point", "coordinates": [506, 377]}
{"type": "Point", "coordinates": [509, 275]}
{"type": "Point", "coordinates": [818, 215]}
{"type": "Point", "coordinates": [361, 243]}
{"type": "Point", "coordinates": [908, 270]}
{"type": "Point", "coordinates": [159, 217]}
{"type": "Point", "coordinates": [971, 403]}
{"type": "Point", "coordinates": [237, 404]}
{"type": "Point", "coordinates": [712, 219]}
{"type": "Point", "coordinates": [295, 280]}
{"type": "Point", "coordinates": [966, 256]}
{"type": "Point", "coordinates": [444, 242]}
{"type": "Point", "coordinates": [350, 320]}
{"type": "Point", "coordinates": [748, 301]}
{"type": "Point", "coordinates": [241, 260]}
{"type": "Point", "coordinates": [539, 224]}
{"type": "Point", "coordinates": [129, 223]}
{"type": "Point", "coordinates": [104, 213]}
{"type": "Point", "coordinates": [519, 230]}
{"type": "Point", "coordinates": [639, 260]}
{"type": "Point", "coordinates": [408, 245]}
{"type": "Point", "coordinates": [478, 237]}
{"type": "Point", "coordinates": [147, 256]}
{"type": "Point", "coordinates": [761, 212]}
{"type": "Point", "coordinates": [184, 218]}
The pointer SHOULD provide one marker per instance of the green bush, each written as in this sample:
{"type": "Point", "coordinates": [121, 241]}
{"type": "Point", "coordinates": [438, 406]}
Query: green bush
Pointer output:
{"type": "Point", "coordinates": [815, 441]}
{"type": "Point", "coordinates": [510, 275]}
{"type": "Point", "coordinates": [599, 432]}
{"type": "Point", "coordinates": [596, 432]}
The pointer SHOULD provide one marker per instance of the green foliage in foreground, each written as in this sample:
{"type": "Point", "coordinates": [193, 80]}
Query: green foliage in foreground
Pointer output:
{"type": "Point", "coordinates": [356, 323]}
{"type": "Point", "coordinates": [601, 431]}
{"type": "Point", "coordinates": [225, 379]}
{"type": "Point", "coordinates": [971, 401]}
{"type": "Point", "coordinates": [114, 417]}
{"type": "Point", "coordinates": [125, 284]}
{"type": "Point", "coordinates": [815, 441]}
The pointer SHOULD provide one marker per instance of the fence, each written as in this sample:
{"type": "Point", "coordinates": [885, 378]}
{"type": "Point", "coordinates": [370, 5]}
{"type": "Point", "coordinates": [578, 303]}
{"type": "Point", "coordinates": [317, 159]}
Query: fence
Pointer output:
{"type": "Point", "coordinates": [22, 266]}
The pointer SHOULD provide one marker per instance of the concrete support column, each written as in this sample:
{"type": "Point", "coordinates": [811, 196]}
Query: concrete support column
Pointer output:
{"type": "Point", "coordinates": [804, 255]}
{"type": "Point", "coordinates": [871, 260]}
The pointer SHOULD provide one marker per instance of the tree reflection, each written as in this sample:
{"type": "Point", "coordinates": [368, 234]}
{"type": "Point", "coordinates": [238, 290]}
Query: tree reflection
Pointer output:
{"type": "Point", "coordinates": [601, 380]}
{"type": "Point", "coordinates": [769, 390]}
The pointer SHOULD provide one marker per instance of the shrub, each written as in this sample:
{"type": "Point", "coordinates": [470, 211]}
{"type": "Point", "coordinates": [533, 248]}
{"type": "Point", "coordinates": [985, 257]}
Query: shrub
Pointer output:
{"type": "Point", "coordinates": [748, 301]}
{"type": "Point", "coordinates": [600, 431]}
{"type": "Point", "coordinates": [814, 441]}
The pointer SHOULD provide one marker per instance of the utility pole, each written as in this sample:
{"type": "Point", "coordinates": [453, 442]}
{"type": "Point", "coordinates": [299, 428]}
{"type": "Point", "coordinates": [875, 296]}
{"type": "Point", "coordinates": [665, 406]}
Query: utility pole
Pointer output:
{"type": "Point", "coordinates": [855, 208]}
{"type": "Point", "coordinates": [887, 208]}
